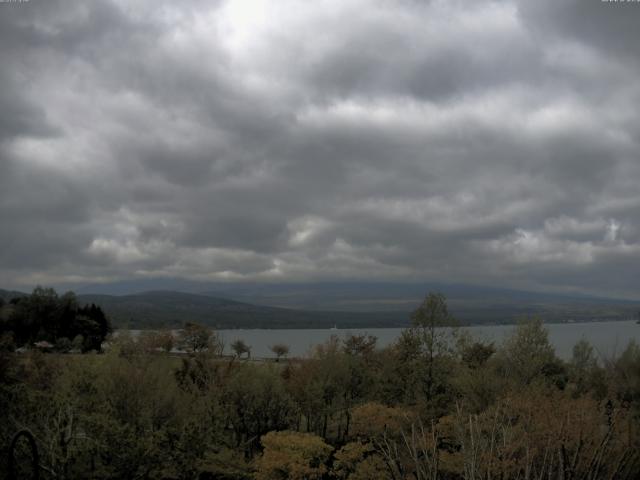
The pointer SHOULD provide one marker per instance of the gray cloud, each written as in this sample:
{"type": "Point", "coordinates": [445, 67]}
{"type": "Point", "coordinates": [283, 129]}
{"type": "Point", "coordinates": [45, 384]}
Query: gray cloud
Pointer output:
{"type": "Point", "coordinates": [492, 143]}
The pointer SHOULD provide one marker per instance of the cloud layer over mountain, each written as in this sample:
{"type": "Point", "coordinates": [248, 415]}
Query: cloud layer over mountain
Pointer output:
{"type": "Point", "coordinates": [478, 142]}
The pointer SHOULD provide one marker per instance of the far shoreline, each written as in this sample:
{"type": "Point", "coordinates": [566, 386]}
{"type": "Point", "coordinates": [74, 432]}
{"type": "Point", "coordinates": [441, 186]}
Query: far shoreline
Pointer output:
{"type": "Point", "coordinates": [365, 327]}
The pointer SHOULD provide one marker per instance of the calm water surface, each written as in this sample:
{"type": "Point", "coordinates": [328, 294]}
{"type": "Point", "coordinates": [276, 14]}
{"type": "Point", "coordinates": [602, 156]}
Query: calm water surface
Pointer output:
{"type": "Point", "coordinates": [608, 338]}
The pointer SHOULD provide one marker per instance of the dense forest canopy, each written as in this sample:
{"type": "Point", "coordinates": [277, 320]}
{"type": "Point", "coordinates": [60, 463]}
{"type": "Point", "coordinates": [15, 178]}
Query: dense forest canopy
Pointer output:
{"type": "Point", "coordinates": [437, 404]}
{"type": "Point", "coordinates": [58, 320]}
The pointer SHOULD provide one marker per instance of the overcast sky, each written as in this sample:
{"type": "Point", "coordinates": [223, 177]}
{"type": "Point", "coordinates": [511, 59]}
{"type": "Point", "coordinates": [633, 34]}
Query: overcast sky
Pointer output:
{"type": "Point", "coordinates": [491, 143]}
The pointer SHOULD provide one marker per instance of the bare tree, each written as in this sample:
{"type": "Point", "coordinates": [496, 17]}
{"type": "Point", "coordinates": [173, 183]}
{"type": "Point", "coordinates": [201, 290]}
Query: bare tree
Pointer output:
{"type": "Point", "coordinates": [280, 350]}
{"type": "Point", "coordinates": [239, 347]}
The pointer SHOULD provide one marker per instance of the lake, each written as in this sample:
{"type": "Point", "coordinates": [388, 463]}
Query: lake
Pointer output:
{"type": "Point", "coordinates": [608, 338]}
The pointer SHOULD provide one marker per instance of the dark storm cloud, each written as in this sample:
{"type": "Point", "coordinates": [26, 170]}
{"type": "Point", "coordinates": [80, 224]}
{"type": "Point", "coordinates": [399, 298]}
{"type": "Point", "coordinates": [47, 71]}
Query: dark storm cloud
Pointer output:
{"type": "Point", "coordinates": [19, 117]}
{"type": "Point", "coordinates": [609, 26]}
{"type": "Point", "coordinates": [493, 142]}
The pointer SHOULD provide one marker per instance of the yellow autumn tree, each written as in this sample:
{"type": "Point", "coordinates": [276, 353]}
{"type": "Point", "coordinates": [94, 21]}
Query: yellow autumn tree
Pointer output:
{"type": "Point", "coordinates": [293, 456]}
{"type": "Point", "coordinates": [372, 419]}
{"type": "Point", "coordinates": [360, 461]}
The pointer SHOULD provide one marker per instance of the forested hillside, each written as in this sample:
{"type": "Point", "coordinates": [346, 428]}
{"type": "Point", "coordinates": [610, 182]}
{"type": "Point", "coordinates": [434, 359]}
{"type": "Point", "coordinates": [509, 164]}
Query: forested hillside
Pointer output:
{"type": "Point", "coordinates": [348, 306]}
{"type": "Point", "coordinates": [173, 309]}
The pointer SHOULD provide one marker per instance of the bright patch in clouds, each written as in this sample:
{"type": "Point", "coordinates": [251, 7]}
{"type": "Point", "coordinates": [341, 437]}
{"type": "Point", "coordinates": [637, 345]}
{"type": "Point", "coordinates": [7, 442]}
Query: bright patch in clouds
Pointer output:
{"type": "Point", "coordinates": [493, 142]}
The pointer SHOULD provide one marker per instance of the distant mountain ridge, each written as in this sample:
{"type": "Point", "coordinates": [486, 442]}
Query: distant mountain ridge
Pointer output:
{"type": "Point", "coordinates": [394, 297]}
{"type": "Point", "coordinates": [173, 309]}
{"type": "Point", "coordinates": [334, 295]}
{"type": "Point", "coordinates": [348, 305]}
{"type": "Point", "coordinates": [7, 295]}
